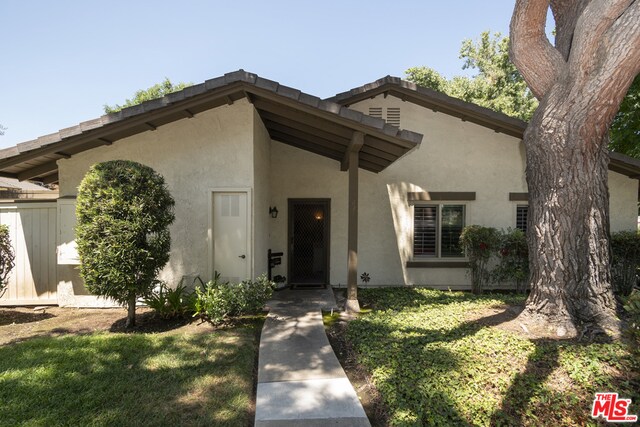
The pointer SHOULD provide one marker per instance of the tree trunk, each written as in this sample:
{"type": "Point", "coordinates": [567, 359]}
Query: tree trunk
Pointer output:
{"type": "Point", "coordinates": [567, 170]}
{"type": "Point", "coordinates": [131, 312]}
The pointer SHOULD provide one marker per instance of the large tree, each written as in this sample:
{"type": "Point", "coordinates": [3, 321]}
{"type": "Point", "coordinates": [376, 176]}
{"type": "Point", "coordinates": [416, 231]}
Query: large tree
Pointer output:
{"type": "Point", "coordinates": [580, 83]}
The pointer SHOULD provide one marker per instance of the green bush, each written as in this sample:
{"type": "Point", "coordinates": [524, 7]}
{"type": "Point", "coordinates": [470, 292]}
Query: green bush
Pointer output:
{"type": "Point", "coordinates": [124, 210]}
{"type": "Point", "coordinates": [169, 303]}
{"type": "Point", "coordinates": [479, 244]}
{"type": "Point", "coordinates": [217, 301]}
{"type": "Point", "coordinates": [625, 260]}
{"type": "Point", "coordinates": [7, 257]}
{"type": "Point", "coordinates": [513, 259]}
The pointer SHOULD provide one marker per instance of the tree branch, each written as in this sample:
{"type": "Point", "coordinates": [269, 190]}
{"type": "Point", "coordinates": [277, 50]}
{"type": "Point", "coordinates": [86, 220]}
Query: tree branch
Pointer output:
{"type": "Point", "coordinates": [530, 50]}
{"type": "Point", "coordinates": [566, 14]}
{"type": "Point", "coordinates": [596, 20]}
{"type": "Point", "coordinates": [622, 64]}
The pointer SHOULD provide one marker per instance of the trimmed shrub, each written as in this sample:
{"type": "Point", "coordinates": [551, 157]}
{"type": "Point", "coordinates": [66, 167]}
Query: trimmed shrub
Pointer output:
{"type": "Point", "coordinates": [217, 301]}
{"type": "Point", "coordinates": [625, 260]}
{"type": "Point", "coordinates": [7, 257]}
{"type": "Point", "coordinates": [169, 303]}
{"type": "Point", "coordinates": [479, 244]}
{"type": "Point", "coordinates": [124, 210]}
{"type": "Point", "coordinates": [513, 259]}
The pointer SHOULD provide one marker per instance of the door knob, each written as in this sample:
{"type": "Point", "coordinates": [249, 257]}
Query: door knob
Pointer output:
{"type": "Point", "coordinates": [242, 256]}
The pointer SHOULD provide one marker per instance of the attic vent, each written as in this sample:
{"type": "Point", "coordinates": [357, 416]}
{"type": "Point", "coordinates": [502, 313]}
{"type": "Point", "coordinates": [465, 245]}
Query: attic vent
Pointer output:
{"type": "Point", "coordinates": [393, 116]}
{"type": "Point", "coordinates": [375, 112]}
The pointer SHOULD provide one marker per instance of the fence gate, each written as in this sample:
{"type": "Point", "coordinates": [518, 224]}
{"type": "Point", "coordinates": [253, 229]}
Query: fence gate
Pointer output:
{"type": "Point", "coordinates": [32, 227]}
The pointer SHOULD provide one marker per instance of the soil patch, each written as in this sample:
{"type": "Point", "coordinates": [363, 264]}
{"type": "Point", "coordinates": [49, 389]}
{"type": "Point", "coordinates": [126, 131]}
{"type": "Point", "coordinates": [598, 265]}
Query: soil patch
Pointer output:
{"type": "Point", "coordinates": [22, 323]}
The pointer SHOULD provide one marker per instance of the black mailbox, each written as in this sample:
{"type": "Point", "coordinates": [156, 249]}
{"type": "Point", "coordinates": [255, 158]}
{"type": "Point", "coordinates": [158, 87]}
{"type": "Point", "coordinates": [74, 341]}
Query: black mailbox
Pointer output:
{"type": "Point", "coordinates": [273, 258]}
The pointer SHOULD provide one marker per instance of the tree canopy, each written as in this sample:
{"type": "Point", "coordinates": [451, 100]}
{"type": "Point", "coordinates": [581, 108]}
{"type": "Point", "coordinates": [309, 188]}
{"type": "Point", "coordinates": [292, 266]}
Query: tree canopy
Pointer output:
{"type": "Point", "coordinates": [497, 84]}
{"type": "Point", "coordinates": [156, 91]}
{"type": "Point", "coordinates": [625, 129]}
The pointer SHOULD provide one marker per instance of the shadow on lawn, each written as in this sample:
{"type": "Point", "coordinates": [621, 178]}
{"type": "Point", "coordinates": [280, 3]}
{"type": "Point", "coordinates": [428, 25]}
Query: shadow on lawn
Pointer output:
{"type": "Point", "coordinates": [198, 379]}
{"type": "Point", "coordinates": [9, 316]}
{"type": "Point", "coordinates": [415, 372]}
{"type": "Point", "coordinates": [150, 322]}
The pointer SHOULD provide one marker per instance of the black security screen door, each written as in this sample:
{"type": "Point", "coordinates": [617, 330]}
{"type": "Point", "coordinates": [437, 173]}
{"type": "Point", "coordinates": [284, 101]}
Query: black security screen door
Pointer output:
{"type": "Point", "coordinates": [309, 242]}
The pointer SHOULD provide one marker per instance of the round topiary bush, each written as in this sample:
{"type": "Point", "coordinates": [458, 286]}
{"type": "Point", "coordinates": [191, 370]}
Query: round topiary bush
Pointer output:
{"type": "Point", "coordinates": [124, 210]}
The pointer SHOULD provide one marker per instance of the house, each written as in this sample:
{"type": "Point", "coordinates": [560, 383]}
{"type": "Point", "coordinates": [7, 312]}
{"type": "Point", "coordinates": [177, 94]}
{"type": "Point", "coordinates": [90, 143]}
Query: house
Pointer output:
{"type": "Point", "coordinates": [388, 171]}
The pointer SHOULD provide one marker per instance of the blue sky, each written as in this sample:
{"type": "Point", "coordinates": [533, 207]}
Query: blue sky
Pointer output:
{"type": "Point", "coordinates": [61, 61]}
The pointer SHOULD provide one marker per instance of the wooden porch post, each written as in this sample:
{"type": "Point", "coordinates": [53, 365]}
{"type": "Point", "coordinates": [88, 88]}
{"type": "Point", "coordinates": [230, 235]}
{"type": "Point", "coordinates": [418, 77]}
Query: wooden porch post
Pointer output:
{"type": "Point", "coordinates": [352, 157]}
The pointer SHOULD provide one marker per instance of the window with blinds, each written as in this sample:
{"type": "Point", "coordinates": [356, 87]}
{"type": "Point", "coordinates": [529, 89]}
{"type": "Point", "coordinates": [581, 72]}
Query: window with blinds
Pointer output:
{"type": "Point", "coordinates": [437, 229]}
{"type": "Point", "coordinates": [425, 224]}
{"type": "Point", "coordinates": [522, 213]}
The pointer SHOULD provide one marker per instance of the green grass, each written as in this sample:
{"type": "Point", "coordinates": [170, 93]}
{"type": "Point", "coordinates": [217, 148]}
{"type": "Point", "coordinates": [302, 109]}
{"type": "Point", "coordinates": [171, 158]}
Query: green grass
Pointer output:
{"type": "Point", "coordinates": [433, 366]}
{"type": "Point", "coordinates": [112, 379]}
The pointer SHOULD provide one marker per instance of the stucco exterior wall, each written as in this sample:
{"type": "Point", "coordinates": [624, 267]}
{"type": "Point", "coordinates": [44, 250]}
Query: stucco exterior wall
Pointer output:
{"type": "Point", "coordinates": [623, 198]}
{"type": "Point", "coordinates": [261, 195]}
{"type": "Point", "coordinates": [455, 156]}
{"type": "Point", "coordinates": [212, 150]}
{"type": "Point", "coordinates": [298, 174]}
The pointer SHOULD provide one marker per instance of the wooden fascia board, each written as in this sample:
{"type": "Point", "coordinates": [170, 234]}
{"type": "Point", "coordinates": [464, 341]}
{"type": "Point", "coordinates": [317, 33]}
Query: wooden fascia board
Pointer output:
{"type": "Point", "coordinates": [355, 145]}
{"type": "Point", "coordinates": [332, 132]}
{"type": "Point", "coordinates": [106, 130]}
{"type": "Point", "coordinates": [37, 171]}
{"type": "Point", "coordinates": [51, 179]}
{"type": "Point", "coordinates": [281, 129]}
{"type": "Point", "coordinates": [327, 115]}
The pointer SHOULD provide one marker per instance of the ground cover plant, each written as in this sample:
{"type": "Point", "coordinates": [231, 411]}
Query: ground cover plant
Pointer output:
{"type": "Point", "coordinates": [452, 358]}
{"type": "Point", "coordinates": [56, 371]}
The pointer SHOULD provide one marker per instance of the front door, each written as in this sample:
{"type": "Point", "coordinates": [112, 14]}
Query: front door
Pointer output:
{"type": "Point", "coordinates": [230, 230]}
{"type": "Point", "coordinates": [309, 241]}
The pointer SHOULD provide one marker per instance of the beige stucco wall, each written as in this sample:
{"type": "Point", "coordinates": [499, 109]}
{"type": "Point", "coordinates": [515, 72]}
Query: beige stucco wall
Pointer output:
{"type": "Point", "coordinates": [213, 150]}
{"type": "Point", "coordinates": [623, 197]}
{"type": "Point", "coordinates": [298, 174]}
{"type": "Point", "coordinates": [455, 156]}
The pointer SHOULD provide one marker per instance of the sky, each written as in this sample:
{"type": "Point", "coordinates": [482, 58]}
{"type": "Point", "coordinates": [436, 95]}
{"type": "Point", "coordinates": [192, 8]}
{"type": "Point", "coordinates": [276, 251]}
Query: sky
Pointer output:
{"type": "Point", "coordinates": [61, 61]}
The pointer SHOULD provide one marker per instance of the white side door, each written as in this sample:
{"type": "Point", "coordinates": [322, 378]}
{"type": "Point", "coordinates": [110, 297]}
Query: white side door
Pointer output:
{"type": "Point", "coordinates": [231, 255]}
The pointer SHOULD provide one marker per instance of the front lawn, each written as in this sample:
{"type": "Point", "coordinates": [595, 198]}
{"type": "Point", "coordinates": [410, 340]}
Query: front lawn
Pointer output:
{"type": "Point", "coordinates": [190, 376]}
{"type": "Point", "coordinates": [451, 358]}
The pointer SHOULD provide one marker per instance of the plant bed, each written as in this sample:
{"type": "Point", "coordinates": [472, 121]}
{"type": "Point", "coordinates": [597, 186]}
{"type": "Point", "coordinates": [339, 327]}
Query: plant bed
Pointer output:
{"type": "Point", "coordinates": [452, 358]}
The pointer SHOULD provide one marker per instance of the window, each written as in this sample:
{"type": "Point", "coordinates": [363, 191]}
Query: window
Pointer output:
{"type": "Point", "coordinates": [522, 212]}
{"type": "Point", "coordinates": [436, 231]}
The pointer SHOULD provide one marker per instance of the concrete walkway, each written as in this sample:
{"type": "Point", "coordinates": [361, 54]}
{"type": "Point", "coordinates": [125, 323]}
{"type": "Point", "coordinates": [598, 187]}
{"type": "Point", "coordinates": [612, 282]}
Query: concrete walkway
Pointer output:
{"type": "Point", "coordinates": [300, 381]}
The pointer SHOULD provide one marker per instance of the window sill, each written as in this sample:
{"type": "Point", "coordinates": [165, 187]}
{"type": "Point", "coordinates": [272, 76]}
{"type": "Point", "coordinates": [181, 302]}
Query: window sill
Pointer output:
{"type": "Point", "coordinates": [439, 263]}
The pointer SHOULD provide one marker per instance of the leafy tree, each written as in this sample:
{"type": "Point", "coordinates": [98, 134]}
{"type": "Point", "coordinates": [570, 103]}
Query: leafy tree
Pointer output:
{"type": "Point", "coordinates": [7, 257]}
{"type": "Point", "coordinates": [124, 210]}
{"type": "Point", "coordinates": [625, 129]}
{"type": "Point", "coordinates": [497, 85]}
{"type": "Point", "coordinates": [580, 83]}
{"type": "Point", "coordinates": [156, 91]}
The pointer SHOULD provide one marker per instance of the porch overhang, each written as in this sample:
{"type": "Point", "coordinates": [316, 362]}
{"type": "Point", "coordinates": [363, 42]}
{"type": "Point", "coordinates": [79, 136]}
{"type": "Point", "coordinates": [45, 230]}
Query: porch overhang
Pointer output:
{"type": "Point", "coordinates": [290, 116]}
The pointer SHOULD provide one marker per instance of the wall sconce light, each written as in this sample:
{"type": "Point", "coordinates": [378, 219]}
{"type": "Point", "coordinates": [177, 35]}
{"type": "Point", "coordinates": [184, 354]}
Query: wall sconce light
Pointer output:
{"type": "Point", "coordinates": [273, 211]}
